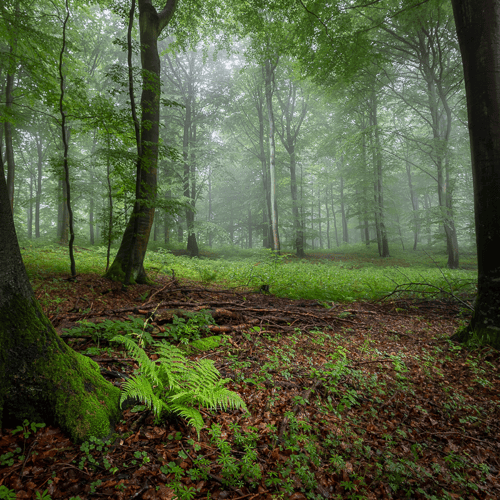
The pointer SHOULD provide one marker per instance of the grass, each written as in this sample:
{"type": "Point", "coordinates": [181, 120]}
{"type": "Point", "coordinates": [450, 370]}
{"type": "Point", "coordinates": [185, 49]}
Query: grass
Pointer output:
{"type": "Point", "coordinates": [347, 274]}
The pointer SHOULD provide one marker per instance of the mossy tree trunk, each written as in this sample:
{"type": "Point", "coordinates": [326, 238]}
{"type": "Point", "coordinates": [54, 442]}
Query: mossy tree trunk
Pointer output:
{"type": "Point", "coordinates": [478, 29]}
{"type": "Point", "coordinates": [41, 378]}
{"type": "Point", "coordinates": [129, 261]}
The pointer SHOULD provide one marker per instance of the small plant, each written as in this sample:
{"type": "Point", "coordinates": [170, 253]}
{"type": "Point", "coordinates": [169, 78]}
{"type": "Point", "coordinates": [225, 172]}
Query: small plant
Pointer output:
{"type": "Point", "coordinates": [89, 449]}
{"type": "Point", "coordinates": [27, 428]}
{"type": "Point", "coordinates": [187, 331]}
{"type": "Point", "coordinates": [108, 329]}
{"type": "Point", "coordinates": [174, 384]}
{"type": "Point", "coordinates": [8, 459]}
{"type": "Point", "coordinates": [43, 496]}
{"type": "Point", "coordinates": [7, 494]}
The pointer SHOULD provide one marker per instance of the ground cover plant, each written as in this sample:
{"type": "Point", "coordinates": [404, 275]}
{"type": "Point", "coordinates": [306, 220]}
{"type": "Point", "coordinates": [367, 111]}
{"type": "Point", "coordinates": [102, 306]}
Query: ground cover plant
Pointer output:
{"type": "Point", "coordinates": [341, 399]}
{"type": "Point", "coordinates": [349, 274]}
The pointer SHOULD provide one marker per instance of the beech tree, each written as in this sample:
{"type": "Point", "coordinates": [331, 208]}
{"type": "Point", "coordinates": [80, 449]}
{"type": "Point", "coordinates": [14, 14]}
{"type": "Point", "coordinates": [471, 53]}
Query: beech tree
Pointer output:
{"type": "Point", "coordinates": [129, 261]}
{"type": "Point", "coordinates": [41, 378]}
{"type": "Point", "coordinates": [478, 29]}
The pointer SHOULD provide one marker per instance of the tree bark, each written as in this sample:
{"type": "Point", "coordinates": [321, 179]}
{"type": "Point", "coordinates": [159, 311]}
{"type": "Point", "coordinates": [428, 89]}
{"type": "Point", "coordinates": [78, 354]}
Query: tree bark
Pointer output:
{"type": "Point", "coordinates": [288, 136]}
{"type": "Point", "coordinates": [65, 136]}
{"type": "Point", "coordinates": [345, 233]}
{"type": "Point", "coordinates": [9, 146]}
{"type": "Point", "coordinates": [269, 77]}
{"type": "Point", "coordinates": [383, 244]}
{"type": "Point", "coordinates": [40, 157]}
{"type": "Point", "coordinates": [41, 378]}
{"type": "Point", "coordinates": [129, 261]}
{"type": "Point", "coordinates": [62, 214]}
{"type": "Point", "coordinates": [478, 29]}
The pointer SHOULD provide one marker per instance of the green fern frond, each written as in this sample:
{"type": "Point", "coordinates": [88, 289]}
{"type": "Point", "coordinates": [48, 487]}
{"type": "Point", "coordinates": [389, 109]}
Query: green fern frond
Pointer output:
{"type": "Point", "coordinates": [146, 366]}
{"type": "Point", "coordinates": [228, 399]}
{"type": "Point", "coordinates": [170, 353]}
{"type": "Point", "coordinates": [192, 415]}
{"type": "Point", "coordinates": [140, 388]}
{"type": "Point", "coordinates": [175, 384]}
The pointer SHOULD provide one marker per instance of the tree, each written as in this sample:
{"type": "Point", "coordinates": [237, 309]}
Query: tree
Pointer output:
{"type": "Point", "coordinates": [478, 29]}
{"type": "Point", "coordinates": [129, 261]}
{"type": "Point", "coordinates": [288, 133]}
{"type": "Point", "coordinates": [41, 378]}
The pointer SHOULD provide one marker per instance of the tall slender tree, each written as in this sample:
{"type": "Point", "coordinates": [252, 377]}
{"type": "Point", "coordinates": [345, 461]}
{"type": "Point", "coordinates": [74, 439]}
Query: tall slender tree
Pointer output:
{"type": "Point", "coordinates": [129, 261]}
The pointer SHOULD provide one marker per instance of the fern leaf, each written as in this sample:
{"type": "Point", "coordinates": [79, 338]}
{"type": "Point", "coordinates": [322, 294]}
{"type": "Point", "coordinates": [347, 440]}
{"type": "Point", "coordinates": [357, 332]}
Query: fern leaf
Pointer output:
{"type": "Point", "coordinates": [192, 415]}
{"type": "Point", "coordinates": [140, 388]}
{"type": "Point", "coordinates": [146, 366]}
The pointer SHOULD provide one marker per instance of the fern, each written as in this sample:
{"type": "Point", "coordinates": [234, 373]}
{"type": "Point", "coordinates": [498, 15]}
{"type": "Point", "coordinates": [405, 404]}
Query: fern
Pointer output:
{"type": "Point", "coordinates": [174, 384]}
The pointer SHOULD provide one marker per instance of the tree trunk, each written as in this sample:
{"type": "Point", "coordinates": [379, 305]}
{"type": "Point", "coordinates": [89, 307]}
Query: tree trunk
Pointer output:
{"type": "Point", "coordinates": [210, 236]}
{"type": "Point", "coordinates": [249, 228]}
{"type": "Point", "coordinates": [478, 23]}
{"type": "Point", "coordinates": [38, 184]}
{"type": "Point", "coordinates": [327, 219]}
{"type": "Point", "coordinates": [345, 233]}
{"type": "Point", "coordinates": [414, 205]}
{"type": "Point", "coordinates": [62, 215]}
{"type": "Point", "coordinates": [269, 74]}
{"type": "Point", "coordinates": [189, 178]}
{"type": "Point", "coordinates": [129, 261]}
{"type": "Point", "coordinates": [319, 217]}
{"type": "Point", "coordinates": [9, 100]}
{"type": "Point", "coordinates": [266, 212]}
{"type": "Point", "coordinates": [41, 378]}
{"type": "Point", "coordinates": [383, 242]}
{"type": "Point", "coordinates": [30, 207]}
{"type": "Point", "coordinates": [288, 136]}
{"type": "Point", "coordinates": [334, 219]}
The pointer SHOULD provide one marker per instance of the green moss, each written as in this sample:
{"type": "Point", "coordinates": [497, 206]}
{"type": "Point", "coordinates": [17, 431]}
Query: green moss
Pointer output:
{"type": "Point", "coordinates": [43, 380]}
{"type": "Point", "coordinates": [116, 272]}
{"type": "Point", "coordinates": [207, 343]}
{"type": "Point", "coordinates": [89, 361]}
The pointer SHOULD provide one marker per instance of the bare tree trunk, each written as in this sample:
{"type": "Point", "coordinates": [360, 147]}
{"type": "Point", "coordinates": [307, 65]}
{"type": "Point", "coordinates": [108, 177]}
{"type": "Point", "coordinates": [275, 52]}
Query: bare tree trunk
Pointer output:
{"type": "Point", "coordinates": [269, 77]}
{"type": "Point", "coordinates": [327, 219]}
{"type": "Point", "coordinates": [383, 243]}
{"type": "Point", "coordinates": [414, 204]}
{"type": "Point", "coordinates": [477, 24]}
{"type": "Point", "coordinates": [129, 261]}
{"type": "Point", "coordinates": [9, 146]}
{"type": "Point", "coordinates": [40, 157]}
{"type": "Point", "coordinates": [65, 136]}
{"type": "Point", "coordinates": [345, 233]}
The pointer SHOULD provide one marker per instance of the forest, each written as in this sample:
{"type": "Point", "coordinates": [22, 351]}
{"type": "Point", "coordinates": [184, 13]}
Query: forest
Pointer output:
{"type": "Point", "coordinates": [248, 249]}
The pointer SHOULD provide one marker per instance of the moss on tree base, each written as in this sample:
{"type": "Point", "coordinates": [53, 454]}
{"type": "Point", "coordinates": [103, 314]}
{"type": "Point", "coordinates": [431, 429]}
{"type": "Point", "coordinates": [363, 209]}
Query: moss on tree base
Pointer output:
{"type": "Point", "coordinates": [44, 380]}
{"type": "Point", "coordinates": [478, 335]}
{"type": "Point", "coordinates": [116, 272]}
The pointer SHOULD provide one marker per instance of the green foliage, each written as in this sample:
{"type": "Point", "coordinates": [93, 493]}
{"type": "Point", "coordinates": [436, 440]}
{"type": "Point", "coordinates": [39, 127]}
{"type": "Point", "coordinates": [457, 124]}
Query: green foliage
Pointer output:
{"type": "Point", "coordinates": [109, 329]}
{"type": "Point", "coordinates": [174, 384]}
{"type": "Point", "coordinates": [7, 494]}
{"type": "Point", "coordinates": [43, 496]}
{"type": "Point", "coordinates": [28, 428]}
{"type": "Point", "coordinates": [207, 344]}
{"type": "Point", "coordinates": [354, 273]}
{"type": "Point", "coordinates": [186, 331]}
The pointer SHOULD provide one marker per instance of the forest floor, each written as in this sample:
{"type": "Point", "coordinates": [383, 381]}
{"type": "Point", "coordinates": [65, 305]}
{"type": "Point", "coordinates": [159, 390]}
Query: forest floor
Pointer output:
{"type": "Point", "coordinates": [361, 400]}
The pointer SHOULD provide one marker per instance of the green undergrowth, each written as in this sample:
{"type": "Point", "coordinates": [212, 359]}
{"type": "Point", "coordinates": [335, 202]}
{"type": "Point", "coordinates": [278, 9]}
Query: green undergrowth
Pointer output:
{"type": "Point", "coordinates": [342, 275]}
{"type": "Point", "coordinates": [361, 432]}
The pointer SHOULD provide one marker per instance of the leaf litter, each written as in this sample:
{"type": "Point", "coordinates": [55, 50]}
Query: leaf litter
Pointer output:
{"type": "Point", "coordinates": [361, 400]}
